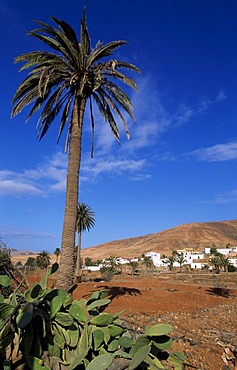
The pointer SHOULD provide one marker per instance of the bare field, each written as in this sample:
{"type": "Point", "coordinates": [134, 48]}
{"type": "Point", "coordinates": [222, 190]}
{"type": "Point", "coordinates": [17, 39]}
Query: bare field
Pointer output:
{"type": "Point", "coordinates": [201, 308]}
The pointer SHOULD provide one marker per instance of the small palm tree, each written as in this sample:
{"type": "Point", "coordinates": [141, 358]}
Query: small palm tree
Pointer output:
{"type": "Point", "coordinates": [216, 262]}
{"type": "Point", "coordinates": [65, 80]}
{"type": "Point", "coordinates": [109, 267]}
{"type": "Point", "coordinates": [42, 260]}
{"type": "Point", "coordinates": [148, 263]}
{"type": "Point", "coordinates": [225, 263]}
{"type": "Point", "coordinates": [179, 257]}
{"type": "Point", "coordinates": [85, 221]}
{"type": "Point", "coordinates": [113, 262]}
{"type": "Point", "coordinates": [133, 265]}
{"type": "Point", "coordinates": [170, 262]}
{"type": "Point", "coordinates": [220, 262]}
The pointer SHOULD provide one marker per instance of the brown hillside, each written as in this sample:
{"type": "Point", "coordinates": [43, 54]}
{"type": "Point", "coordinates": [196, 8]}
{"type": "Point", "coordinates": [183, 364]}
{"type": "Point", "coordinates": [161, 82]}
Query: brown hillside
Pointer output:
{"type": "Point", "coordinates": [194, 235]}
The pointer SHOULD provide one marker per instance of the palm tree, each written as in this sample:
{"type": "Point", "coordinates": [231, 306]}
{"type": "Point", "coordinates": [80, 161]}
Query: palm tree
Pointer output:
{"type": "Point", "coordinates": [220, 262]}
{"type": "Point", "coordinates": [149, 265]}
{"type": "Point", "coordinates": [65, 79]}
{"type": "Point", "coordinates": [133, 265]}
{"type": "Point", "coordinates": [180, 259]}
{"type": "Point", "coordinates": [85, 221]}
{"type": "Point", "coordinates": [225, 263]}
{"type": "Point", "coordinates": [170, 262]}
{"type": "Point", "coordinates": [42, 260]}
{"type": "Point", "coordinates": [215, 262]}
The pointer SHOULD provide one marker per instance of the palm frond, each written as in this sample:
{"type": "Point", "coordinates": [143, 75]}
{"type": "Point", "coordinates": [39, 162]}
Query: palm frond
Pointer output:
{"type": "Point", "coordinates": [44, 79]}
{"type": "Point", "coordinates": [48, 117]}
{"type": "Point", "coordinates": [39, 102]}
{"type": "Point", "coordinates": [64, 117]}
{"type": "Point", "coordinates": [104, 51]}
{"type": "Point", "coordinates": [68, 31]}
{"type": "Point", "coordinates": [115, 93]}
{"type": "Point", "coordinates": [112, 123]}
{"type": "Point", "coordinates": [120, 64]}
{"type": "Point", "coordinates": [116, 109]}
{"type": "Point", "coordinates": [41, 60]}
{"type": "Point", "coordinates": [106, 112]}
{"type": "Point", "coordinates": [100, 105]}
{"type": "Point", "coordinates": [27, 99]}
{"type": "Point", "coordinates": [115, 89]}
{"type": "Point", "coordinates": [58, 40]}
{"type": "Point", "coordinates": [52, 43]}
{"type": "Point", "coordinates": [120, 76]}
{"type": "Point", "coordinates": [85, 39]}
{"type": "Point", "coordinates": [58, 97]}
{"type": "Point", "coordinates": [28, 84]}
{"type": "Point", "coordinates": [93, 128]}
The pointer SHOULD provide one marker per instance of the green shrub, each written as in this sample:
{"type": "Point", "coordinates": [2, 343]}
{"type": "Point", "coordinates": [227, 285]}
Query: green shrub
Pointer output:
{"type": "Point", "coordinates": [107, 273]}
{"type": "Point", "coordinates": [7, 268]}
{"type": "Point", "coordinates": [231, 268]}
{"type": "Point", "coordinates": [44, 328]}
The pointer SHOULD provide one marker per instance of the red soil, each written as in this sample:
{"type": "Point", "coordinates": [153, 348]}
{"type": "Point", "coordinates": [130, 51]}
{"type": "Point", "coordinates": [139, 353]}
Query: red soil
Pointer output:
{"type": "Point", "coordinates": [203, 316]}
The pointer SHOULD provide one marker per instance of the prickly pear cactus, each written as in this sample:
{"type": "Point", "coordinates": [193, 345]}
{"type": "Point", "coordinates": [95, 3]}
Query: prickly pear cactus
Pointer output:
{"type": "Point", "coordinates": [44, 328]}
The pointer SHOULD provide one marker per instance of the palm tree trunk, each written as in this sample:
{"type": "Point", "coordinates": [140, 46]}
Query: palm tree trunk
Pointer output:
{"type": "Point", "coordinates": [78, 263]}
{"type": "Point", "coordinates": [65, 273]}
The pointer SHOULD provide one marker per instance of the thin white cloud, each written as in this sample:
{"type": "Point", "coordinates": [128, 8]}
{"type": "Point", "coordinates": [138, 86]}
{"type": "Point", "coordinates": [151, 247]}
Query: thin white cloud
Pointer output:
{"type": "Point", "coordinates": [185, 113]}
{"type": "Point", "coordinates": [154, 119]}
{"type": "Point", "coordinates": [50, 177]}
{"type": "Point", "coordinates": [16, 188]}
{"type": "Point", "coordinates": [40, 181]}
{"type": "Point", "coordinates": [216, 153]}
{"type": "Point", "coordinates": [93, 168]}
{"type": "Point", "coordinates": [9, 233]}
{"type": "Point", "coordinates": [228, 197]}
{"type": "Point", "coordinates": [224, 198]}
{"type": "Point", "coordinates": [221, 96]}
{"type": "Point", "coordinates": [145, 135]}
{"type": "Point", "coordinates": [140, 177]}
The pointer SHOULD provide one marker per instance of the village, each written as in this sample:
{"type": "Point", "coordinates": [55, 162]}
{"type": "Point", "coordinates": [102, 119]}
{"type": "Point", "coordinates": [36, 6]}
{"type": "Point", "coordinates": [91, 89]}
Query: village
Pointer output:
{"type": "Point", "coordinates": [212, 258]}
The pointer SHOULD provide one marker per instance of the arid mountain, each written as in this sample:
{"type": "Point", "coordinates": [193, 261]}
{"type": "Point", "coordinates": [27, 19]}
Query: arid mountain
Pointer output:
{"type": "Point", "coordinates": [194, 235]}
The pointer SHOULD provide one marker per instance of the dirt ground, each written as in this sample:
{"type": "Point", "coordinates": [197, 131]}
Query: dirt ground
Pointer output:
{"type": "Point", "coordinates": [202, 311]}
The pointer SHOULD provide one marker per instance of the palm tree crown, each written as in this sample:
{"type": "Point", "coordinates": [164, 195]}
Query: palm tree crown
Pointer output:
{"type": "Point", "coordinates": [56, 81]}
{"type": "Point", "coordinates": [85, 218]}
{"type": "Point", "coordinates": [42, 260]}
{"type": "Point", "coordinates": [62, 81]}
{"type": "Point", "coordinates": [85, 221]}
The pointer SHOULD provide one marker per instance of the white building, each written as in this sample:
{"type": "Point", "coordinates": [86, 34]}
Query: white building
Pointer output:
{"type": "Point", "coordinates": [233, 261]}
{"type": "Point", "coordinates": [224, 251]}
{"type": "Point", "coordinates": [157, 261]}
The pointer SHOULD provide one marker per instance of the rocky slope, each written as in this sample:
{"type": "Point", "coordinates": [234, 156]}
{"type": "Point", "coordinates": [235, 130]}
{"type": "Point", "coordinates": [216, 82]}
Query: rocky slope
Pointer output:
{"type": "Point", "coordinates": [194, 235]}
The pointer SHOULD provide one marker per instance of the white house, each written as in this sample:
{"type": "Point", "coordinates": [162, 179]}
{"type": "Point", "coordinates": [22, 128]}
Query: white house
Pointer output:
{"type": "Point", "coordinates": [224, 251]}
{"type": "Point", "coordinates": [197, 264]}
{"type": "Point", "coordinates": [190, 256]}
{"type": "Point", "coordinates": [157, 261]}
{"type": "Point", "coordinates": [122, 261]}
{"type": "Point", "coordinates": [233, 261]}
{"type": "Point", "coordinates": [92, 268]}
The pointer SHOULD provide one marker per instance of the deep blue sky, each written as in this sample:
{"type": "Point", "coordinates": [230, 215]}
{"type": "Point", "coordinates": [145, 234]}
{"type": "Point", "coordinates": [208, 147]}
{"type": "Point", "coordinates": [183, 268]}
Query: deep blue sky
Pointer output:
{"type": "Point", "coordinates": [179, 165]}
